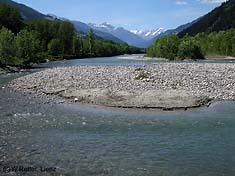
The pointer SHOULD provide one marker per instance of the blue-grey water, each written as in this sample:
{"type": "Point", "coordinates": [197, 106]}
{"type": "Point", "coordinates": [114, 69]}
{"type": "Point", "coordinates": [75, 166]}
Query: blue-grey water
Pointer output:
{"type": "Point", "coordinates": [82, 140]}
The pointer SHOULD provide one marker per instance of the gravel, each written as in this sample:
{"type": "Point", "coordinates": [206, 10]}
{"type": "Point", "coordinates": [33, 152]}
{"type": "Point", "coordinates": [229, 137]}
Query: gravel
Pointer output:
{"type": "Point", "coordinates": [195, 80]}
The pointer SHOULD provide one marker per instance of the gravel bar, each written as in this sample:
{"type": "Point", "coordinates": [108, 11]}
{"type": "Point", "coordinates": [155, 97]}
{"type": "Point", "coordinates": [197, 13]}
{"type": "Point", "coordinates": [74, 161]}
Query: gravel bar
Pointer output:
{"type": "Point", "coordinates": [163, 85]}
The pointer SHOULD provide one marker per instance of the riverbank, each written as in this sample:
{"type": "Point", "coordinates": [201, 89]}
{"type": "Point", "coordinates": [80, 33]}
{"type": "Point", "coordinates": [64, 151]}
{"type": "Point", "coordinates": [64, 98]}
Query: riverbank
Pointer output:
{"type": "Point", "coordinates": [167, 85]}
{"type": "Point", "coordinates": [142, 57]}
{"type": "Point", "coordinates": [216, 57]}
{"type": "Point", "coordinates": [208, 57]}
{"type": "Point", "coordinates": [10, 69]}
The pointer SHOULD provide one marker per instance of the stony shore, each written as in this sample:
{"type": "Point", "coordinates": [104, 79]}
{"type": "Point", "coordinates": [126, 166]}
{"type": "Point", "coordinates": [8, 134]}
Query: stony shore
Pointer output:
{"type": "Point", "coordinates": [10, 69]}
{"type": "Point", "coordinates": [166, 85]}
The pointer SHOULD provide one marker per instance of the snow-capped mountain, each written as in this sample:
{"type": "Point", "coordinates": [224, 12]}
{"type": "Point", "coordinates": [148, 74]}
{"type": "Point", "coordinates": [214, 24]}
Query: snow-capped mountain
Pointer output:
{"type": "Point", "coordinates": [104, 26]}
{"type": "Point", "coordinates": [148, 34]}
{"type": "Point", "coordinates": [121, 33]}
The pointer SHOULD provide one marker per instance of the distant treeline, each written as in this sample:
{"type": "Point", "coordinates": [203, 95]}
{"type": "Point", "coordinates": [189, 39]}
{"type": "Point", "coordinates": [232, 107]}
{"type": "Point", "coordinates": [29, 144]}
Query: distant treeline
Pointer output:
{"type": "Point", "coordinates": [214, 44]}
{"type": "Point", "coordinates": [38, 40]}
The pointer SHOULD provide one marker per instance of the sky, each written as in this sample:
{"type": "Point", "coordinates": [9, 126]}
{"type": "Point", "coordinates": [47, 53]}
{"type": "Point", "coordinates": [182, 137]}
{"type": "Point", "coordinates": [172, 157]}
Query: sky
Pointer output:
{"type": "Point", "coordinates": [131, 14]}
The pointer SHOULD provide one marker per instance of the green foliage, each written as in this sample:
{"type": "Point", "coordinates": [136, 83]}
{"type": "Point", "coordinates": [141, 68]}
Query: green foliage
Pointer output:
{"type": "Point", "coordinates": [189, 48]}
{"type": "Point", "coordinates": [214, 44]}
{"type": "Point", "coordinates": [28, 47]}
{"type": "Point", "coordinates": [66, 33]}
{"type": "Point", "coordinates": [7, 46]}
{"type": "Point", "coordinates": [54, 47]}
{"type": "Point", "coordinates": [142, 75]}
{"type": "Point", "coordinates": [221, 43]}
{"type": "Point", "coordinates": [42, 39]}
{"type": "Point", "coordinates": [165, 47]}
{"type": "Point", "coordinates": [91, 42]}
{"type": "Point", "coordinates": [46, 30]}
{"type": "Point", "coordinates": [10, 18]}
{"type": "Point", "coordinates": [50, 31]}
{"type": "Point", "coordinates": [76, 46]}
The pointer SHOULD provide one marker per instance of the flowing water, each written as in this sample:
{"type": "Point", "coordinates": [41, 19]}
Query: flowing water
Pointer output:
{"type": "Point", "coordinates": [90, 140]}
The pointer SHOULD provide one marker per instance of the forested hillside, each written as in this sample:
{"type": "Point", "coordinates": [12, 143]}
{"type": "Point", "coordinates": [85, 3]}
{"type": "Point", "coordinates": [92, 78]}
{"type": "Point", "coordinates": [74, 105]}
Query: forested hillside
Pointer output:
{"type": "Point", "coordinates": [27, 13]}
{"type": "Point", "coordinates": [35, 41]}
{"type": "Point", "coordinates": [220, 19]}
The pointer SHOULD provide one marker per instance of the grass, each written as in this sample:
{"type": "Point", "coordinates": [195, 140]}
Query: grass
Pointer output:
{"type": "Point", "coordinates": [142, 75]}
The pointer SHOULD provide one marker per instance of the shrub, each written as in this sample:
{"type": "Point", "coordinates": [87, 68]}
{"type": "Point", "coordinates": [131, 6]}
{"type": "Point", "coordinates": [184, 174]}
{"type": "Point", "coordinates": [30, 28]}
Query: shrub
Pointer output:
{"type": "Point", "coordinates": [7, 46]}
{"type": "Point", "coordinates": [142, 75]}
{"type": "Point", "coordinates": [189, 49]}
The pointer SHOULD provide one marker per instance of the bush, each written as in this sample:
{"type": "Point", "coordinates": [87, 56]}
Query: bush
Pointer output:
{"type": "Point", "coordinates": [28, 47]}
{"type": "Point", "coordinates": [7, 46]}
{"type": "Point", "coordinates": [54, 47]}
{"type": "Point", "coordinates": [142, 75]}
{"type": "Point", "coordinates": [165, 47]}
{"type": "Point", "coordinates": [189, 49]}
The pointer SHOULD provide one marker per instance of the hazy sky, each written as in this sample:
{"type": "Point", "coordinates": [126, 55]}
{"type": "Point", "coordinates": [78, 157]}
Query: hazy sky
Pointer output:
{"type": "Point", "coordinates": [131, 14]}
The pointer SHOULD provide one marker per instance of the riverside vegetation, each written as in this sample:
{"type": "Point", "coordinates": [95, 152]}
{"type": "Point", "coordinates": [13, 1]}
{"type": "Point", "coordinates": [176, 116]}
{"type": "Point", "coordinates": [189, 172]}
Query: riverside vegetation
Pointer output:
{"type": "Point", "coordinates": [194, 47]}
{"type": "Point", "coordinates": [23, 43]}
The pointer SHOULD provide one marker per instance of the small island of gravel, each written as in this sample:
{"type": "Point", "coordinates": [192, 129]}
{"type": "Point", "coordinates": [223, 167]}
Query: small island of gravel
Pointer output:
{"type": "Point", "coordinates": [165, 85]}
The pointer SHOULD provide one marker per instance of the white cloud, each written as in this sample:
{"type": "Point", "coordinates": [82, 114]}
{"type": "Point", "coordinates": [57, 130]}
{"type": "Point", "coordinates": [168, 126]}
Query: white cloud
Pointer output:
{"type": "Point", "coordinates": [211, 1]}
{"type": "Point", "coordinates": [181, 3]}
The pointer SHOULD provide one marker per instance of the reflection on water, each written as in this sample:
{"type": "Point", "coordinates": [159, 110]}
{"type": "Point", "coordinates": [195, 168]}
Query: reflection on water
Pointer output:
{"type": "Point", "coordinates": [89, 140]}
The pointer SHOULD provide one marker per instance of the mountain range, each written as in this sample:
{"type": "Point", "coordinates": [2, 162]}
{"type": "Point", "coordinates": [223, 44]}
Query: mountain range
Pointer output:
{"type": "Point", "coordinates": [121, 33]}
{"type": "Point", "coordinates": [148, 34]}
{"type": "Point", "coordinates": [104, 30]}
{"type": "Point", "coordinates": [221, 18]}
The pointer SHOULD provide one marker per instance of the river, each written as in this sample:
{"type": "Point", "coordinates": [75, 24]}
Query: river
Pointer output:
{"type": "Point", "coordinates": [71, 140]}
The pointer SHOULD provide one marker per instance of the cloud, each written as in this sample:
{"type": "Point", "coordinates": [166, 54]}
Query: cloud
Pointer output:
{"type": "Point", "coordinates": [211, 1]}
{"type": "Point", "coordinates": [181, 3]}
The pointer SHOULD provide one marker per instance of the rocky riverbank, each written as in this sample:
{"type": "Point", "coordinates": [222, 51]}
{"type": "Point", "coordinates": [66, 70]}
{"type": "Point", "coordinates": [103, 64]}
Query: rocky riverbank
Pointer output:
{"type": "Point", "coordinates": [9, 69]}
{"type": "Point", "coordinates": [166, 85]}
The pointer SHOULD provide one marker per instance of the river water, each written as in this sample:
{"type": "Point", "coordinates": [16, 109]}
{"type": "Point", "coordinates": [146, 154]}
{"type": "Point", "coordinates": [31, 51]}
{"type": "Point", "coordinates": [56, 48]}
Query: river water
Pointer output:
{"type": "Point", "coordinates": [90, 140]}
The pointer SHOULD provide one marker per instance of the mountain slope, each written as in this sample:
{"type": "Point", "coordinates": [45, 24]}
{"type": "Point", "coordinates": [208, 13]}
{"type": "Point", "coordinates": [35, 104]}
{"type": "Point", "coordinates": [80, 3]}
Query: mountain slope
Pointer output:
{"type": "Point", "coordinates": [31, 14]}
{"type": "Point", "coordinates": [129, 37]}
{"type": "Point", "coordinates": [148, 34]}
{"type": "Point", "coordinates": [82, 27]}
{"type": "Point", "coordinates": [171, 31]}
{"type": "Point", "coordinates": [27, 12]}
{"type": "Point", "coordinates": [221, 18]}
{"type": "Point", "coordinates": [121, 33]}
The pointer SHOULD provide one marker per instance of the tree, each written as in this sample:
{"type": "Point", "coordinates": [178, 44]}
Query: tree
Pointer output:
{"type": "Point", "coordinates": [28, 47]}
{"type": "Point", "coordinates": [76, 45]}
{"type": "Point", "coordinates": [166, 47]}
{"type": "Point", "coordinates": [85, 47]}
{"type": "Point", "coordinates": [10, 18]}
{"type": "Point", "coordinates": [65, 34]}
{"type": "Point", "coordinates": [54, 47]}
{"type": "Point", "coordinates": [189, 49]}
{"type": "Point", "coordinates": [7, 46]}
{"type": "Point", "coordinates": [91, 42]}
{"type": "Point", "coordinates": [46, 30]}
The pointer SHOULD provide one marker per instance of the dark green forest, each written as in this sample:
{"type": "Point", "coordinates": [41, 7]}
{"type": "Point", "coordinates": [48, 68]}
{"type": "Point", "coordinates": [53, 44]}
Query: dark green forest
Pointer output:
{"type": "Point", "coordinates": [24, 43]}
{"type": "Point", "coordinates": [221, 18]}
